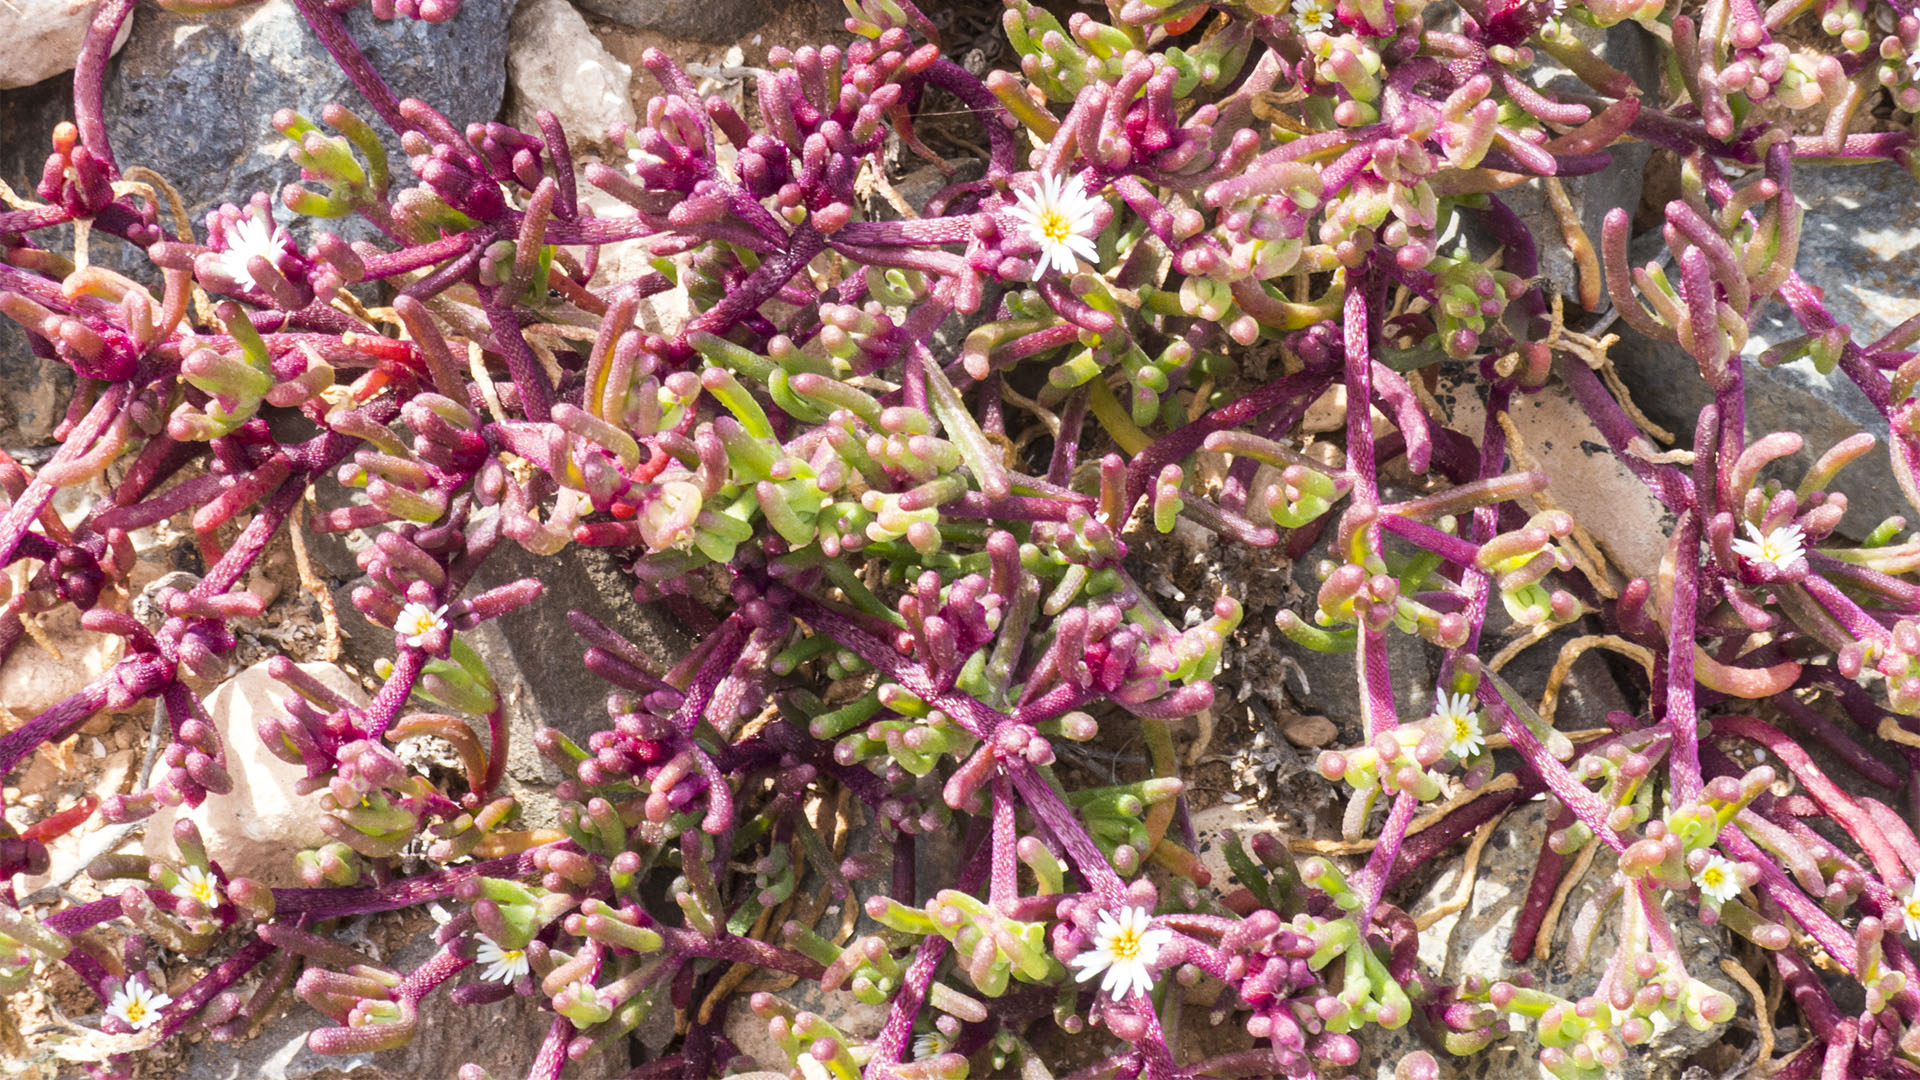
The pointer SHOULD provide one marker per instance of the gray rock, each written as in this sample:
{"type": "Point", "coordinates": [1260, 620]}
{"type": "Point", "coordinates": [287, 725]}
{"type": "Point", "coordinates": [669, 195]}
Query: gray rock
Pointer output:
{"type": "Point", "coordinates": [532, 654]}
{"type": "Point", "coordinates": [713, 21]}
{"type": "Point", "coordinates": [535, 657]}
{"type": "Point", "coordinates": [502, 1038]}
{"type": "Point", "coordinates": [33, 391]}
{"type": "Point", "coordinates": [192, 96]}
{"type": "Point", "coordinates": [1860, 242]}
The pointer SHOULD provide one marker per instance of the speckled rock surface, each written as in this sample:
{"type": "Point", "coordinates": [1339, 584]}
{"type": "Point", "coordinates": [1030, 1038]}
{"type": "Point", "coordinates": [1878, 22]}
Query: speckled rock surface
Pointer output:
{"type": "Point", "coordinates": [192, 96]}
{"type": "Point", "coordinates": [1860, 243]}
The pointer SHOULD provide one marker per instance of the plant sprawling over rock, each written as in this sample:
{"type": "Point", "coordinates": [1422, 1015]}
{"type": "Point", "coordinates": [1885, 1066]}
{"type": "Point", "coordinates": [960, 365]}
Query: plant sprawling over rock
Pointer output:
{"type": "Point", "coordinates": [901, 610]}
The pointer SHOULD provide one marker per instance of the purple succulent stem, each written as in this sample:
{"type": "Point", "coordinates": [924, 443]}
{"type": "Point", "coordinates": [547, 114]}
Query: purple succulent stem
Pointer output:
{"type": "Point", "coordinates": [1045, 804]}
{"type": "Point", "coordinates": [916, 232]}
{"type": "Point", "coordinates": [1423, 847]}
{"type": "Point", "coordinates": [328, 26]}
{"type": "Point", "coordinates": [406, 260]}
{"type": "Point", "coordinates": [1372, 879]}
{"type": "Point", "coordinates": [26, 509]}
{"type": "Point", "coordinates": [1837, 803]}
{"type": "Point", "coordinates": [1066, 444]}
{"type": "Point", "coordinates": [728, 643]}
{"type": "Point", "coordinates": [386, 706]}
{"type": "Point", "coordinates": [1669, 485]}
{"type": "Point", "coordinates": [1011, 508]}
{"type": "Point", "coordinates": [1359, 380]}
{"type": "Point", "coordinates": [1782, 891]}
{"type": "Point", "coordinates": [57, 722]}
{"type": "Point", "coordinates": [760, 286]}
{"type": "Point", "coordinates": [39, 217]}
{"type": "Point", "coordinates": [740, 950]}
{"type": "Point", "coordinates": [1005, 882]}
{"type": "Point", "coordinates": [1420, 534]}
{"type": "Point", "coordinates": [978, 100]}
{"type": "Point", "coordinates": [1865, 578]}
{"type": "Point", "coordinates": [1683, 719]}
{"type": "Point", "coordinates": [553, 1051]}
{"type": "Point", "coordinates": [90, 79]}
{"type": "Point", "coordinates": [1585, 804]}
{"type": "Point", "coordinates": [1844, 611]}
{"type": "Point", "coordinates": [890, 1045]}
{"type": "Point", "coordinates": [1175, 445]}
{"type": "Point", "coordinates": [536, 393]}
{"type": "Point", "coordinates": [1829, 735]}
{"type": "Point", "coordinates": [223, 975]}
{"type": "Point", "coordinates": [321, 904]}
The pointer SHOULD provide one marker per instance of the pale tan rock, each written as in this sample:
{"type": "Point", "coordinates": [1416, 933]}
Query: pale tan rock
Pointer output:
{"type": "Point", "coordinates": [33, 679]}
{"type": "Point", "coordinates": [254, 830]}
{"type": "Point", "coordinates": [41, 38]}
{"type": "Point", "coordinates": [1309, 731]}
{"type": "Point", "coordinates": [555, 63]}
{"type": "Point", "coordinates": [1585, 478]}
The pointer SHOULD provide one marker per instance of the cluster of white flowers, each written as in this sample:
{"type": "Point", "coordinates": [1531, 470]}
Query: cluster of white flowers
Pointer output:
{"type": "Point", "coordinates": [1910, 911]}
{"type": "Point", "coordinates": [417, 620]}
{"type": "Point", "coordinates": [1312, 15]}
{"type": "Point", "coordinates": [1058, 217]}
{"type": "Point", "coordinates": [137, 1005]}
{"type": "Point", "coordinates": [1460, 724]}
{"type": "Point", "coordinates": [252, 235]}
{"type": "Point", "coordinates": [503, 965]}
{"type": "Point", "coordinates": [1782, 547]}
{"type": "Point", "coordinates": [1124, 947]}
{"type": "Point", "coordinates": [197, 884]}
{"type": "Point", "coordinates": [1718, 880]}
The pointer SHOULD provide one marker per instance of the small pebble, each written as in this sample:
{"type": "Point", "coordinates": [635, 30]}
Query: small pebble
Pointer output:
{"type": "Point", "coordinates": [1309, 731]}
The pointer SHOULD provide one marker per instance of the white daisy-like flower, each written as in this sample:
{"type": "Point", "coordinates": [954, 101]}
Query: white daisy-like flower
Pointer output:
{"type": "Point", "coordinates": [930, 1044]}
{"type": "Point", "coordinates": [1312, 15]}
{"type": "Point", "coordinates": [1782, 547]}
{"type": "Point", "coordinates": [1460, 725]}
{"type": "Point", "coordinates": [503, 965]}
{"type": "Point", "coordinates": [138, 1005]}
{"type": "Point", "coordinates": [1910, 911]}
{"type": "Point", "coordinates": [1124, 947]}
{"type": "Point", "coordinates": [417, 620]}
{"type": "Point", "coordinates": [251, 235]}
{"type": "Point", "coordinates": [1058, 217]}
{"type": "Point", "coordinates": [197, 884]}
{"type": "Point", "coordinates": [1717, 880]}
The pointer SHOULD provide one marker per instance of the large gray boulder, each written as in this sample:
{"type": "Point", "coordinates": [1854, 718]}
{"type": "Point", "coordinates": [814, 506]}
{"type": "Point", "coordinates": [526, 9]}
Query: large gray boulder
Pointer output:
{"type": "Point", "coordinates": [1860, 244]}
{"type": "Point", "coordinates": [192, 96]}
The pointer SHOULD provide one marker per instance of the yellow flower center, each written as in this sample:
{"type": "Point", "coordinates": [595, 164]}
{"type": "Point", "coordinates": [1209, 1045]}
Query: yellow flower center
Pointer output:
{"type": "Point", "coordinates": [1712, 877]}
{"type": "Point", "coordinates": [1055, 226]}
{"type": "Point", "coordinates": [1462, 728]}
{"type": "Point", "coordinates": [511, 956]}
{"type": "Point", "coordinates": [1913, 908]}
{"type": "Point", "coordinates": [203, 891]}
{"type": "Point", "coordinates": [1125, 946]}
{"type": "Point", "coordinates": [136, 1012]}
